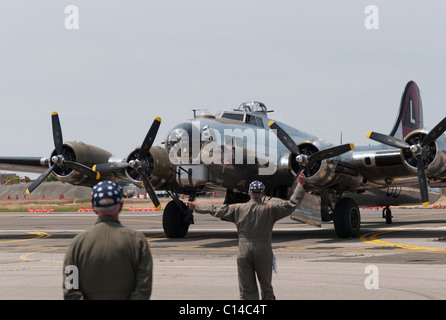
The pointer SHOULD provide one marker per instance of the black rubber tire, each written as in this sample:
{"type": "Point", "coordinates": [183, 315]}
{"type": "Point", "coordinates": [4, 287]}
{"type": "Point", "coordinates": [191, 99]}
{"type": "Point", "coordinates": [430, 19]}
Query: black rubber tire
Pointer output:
{"type": "Point", "coordinates": [388, 215]}
{"type": "Point", "coordinates": [174, 223]}
{"type": "Point", "coordinates": [347, 218]}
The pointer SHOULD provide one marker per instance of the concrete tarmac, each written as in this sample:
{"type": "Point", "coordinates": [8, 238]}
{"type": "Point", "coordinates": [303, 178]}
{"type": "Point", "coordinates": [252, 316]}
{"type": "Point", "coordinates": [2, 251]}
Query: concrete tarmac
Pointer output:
{"type": "Point", "coordinates": [405, 260]}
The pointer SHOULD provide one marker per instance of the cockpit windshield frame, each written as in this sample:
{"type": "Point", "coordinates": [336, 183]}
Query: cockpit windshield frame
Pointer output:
{"type": "Point", "coordinates": [253, 106]}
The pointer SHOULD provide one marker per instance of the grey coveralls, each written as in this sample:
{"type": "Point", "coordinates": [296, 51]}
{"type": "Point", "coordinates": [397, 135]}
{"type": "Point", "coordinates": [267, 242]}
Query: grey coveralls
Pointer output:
{"type": "Point", "coordinates": [114, 262]}
{"type": "Point", "coordinates": [255, 221]}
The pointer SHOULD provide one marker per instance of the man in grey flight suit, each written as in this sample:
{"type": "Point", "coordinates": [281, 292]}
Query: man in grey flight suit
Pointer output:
{"type": "Point", "coordinates": [255, 220]}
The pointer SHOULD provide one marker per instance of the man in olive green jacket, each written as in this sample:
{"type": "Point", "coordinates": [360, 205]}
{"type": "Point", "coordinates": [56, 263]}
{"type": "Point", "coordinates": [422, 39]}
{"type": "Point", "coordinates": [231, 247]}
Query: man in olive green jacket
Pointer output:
{"type": "Point", "coordinates": [108, 261]}
{"type": "Point", "coordinates": [255, 220]}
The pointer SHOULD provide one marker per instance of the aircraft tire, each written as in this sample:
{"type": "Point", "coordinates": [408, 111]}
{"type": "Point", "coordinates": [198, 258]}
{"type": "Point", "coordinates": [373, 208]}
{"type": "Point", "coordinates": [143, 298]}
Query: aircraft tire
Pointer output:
{"type": "Point", "coordinates": [174, 223]}
{"type": "Point", "coordinates": [388, 215]}
{"type": "Point", "coordinates": [347, 218]}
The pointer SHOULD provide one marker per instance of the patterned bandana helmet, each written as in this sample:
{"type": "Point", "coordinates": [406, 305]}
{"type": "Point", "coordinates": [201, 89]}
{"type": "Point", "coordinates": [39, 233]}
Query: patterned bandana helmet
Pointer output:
{"type": "Point", "coordinates": [256, 187]}
{"type": "Point", "coordinates": [106, 193]}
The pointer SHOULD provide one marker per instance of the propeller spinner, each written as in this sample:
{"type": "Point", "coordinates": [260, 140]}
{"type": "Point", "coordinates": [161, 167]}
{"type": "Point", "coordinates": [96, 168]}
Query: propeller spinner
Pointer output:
{"type": "Point", "coordinates": [419, 151]}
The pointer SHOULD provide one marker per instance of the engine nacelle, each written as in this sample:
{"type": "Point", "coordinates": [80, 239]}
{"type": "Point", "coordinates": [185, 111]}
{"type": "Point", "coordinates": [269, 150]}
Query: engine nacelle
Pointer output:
{"type": "Point", "coordinates": [85, 154]}
{"type": "Point", "coordinates": [158, 163]}
{"type": "Point", "coordinates": [319, 173]}
{"type": "Point", "coordinates": [435, 159]}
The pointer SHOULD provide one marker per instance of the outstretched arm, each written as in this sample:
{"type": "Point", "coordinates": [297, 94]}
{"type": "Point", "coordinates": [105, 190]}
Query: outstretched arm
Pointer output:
{"type": "Point", "coordinates": [224, 211]}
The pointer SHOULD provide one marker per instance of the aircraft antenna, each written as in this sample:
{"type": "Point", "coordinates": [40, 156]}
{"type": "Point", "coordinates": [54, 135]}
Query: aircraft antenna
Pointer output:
{"type": "Point", "coordinates": [195, 112]}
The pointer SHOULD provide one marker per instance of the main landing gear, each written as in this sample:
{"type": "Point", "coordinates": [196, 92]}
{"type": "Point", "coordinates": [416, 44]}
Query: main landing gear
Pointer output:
{"type": "Point", "coordinates": [347, 218]}
{"type": "Point", "coordinates": [175, 222]}
{"type": "Point", "coordinates": [177, 218]}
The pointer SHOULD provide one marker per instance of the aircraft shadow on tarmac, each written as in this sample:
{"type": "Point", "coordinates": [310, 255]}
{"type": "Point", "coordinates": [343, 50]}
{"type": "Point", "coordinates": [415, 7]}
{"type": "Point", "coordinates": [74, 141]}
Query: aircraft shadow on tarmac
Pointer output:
{"type": "Point", "coordinates": [408, 229]}
{"type": "Point", "coordinates": [225, 239]}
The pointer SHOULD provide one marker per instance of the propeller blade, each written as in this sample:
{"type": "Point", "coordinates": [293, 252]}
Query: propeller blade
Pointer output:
{"type": "Point", "coordinates": [110, 166]}
{"type": "Point", "coordinates": [284, 137]}
{"type": "Point", "coordinates": [434, 133]}
{"type": "Point", "coordinates": [422, 181]}
{"type": "Point", "coordinates": [150, 137]}
{"type": "Point", "coordinates": [331, 152]}
{"type": "Point", "coordinates": [40, 179]}
{"type": "Point", "coordinates": [388, 140]}
{"type": "Point", "coordinates": [150, 190]}
{"type": "Point", "coordinates": [82, 169]}
{"type": "Point", "coordinates": [57, 133]}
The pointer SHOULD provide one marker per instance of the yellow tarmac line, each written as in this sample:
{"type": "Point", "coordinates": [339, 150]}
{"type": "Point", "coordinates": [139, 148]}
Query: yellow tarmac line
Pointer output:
{"type": "Point", "coordinates": [46, 250]}
{"type": "Point", "coordinates": [156, 237]}
{"type": "Point", "coordinates": [373, 240]}
{"type": "Point", "coordinates": [40, 235]}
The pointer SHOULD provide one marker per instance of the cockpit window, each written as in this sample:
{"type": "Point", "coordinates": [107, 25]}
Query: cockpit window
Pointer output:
{"type": "Point", "coordinates": [253, 120]}
{"type": "Point", "coordinates": [259, 122]}
{"type": "Point", "coordinates": [232, 116]}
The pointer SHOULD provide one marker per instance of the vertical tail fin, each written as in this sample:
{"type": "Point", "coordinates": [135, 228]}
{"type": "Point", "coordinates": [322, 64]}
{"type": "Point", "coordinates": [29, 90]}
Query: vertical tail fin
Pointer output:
{"type": "Point", "coordinates": [410, 116]}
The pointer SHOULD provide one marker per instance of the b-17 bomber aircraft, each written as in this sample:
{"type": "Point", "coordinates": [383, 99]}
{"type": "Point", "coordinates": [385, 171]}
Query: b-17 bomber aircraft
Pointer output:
{"type": "Point", "coordinates": [228, 150]}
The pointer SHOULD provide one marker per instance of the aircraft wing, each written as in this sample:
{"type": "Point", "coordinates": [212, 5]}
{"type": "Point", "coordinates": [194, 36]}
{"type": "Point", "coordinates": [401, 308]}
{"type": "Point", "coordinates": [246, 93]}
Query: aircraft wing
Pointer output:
{"type": "Point", "coordinates": [72, 162]}
{"type": "Point", "coordinates": [24, 164]}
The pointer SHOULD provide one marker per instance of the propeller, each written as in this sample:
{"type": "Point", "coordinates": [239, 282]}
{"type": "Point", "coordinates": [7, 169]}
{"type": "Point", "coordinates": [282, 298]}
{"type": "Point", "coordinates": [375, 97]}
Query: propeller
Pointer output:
{"type": "Point", "coordinates": [419, 150]}
{"type": "Point", "coordinates": [140, 164]}
{"type": "Point", "coordinates": [59, 159]}
{"type": "Point", "coordinates": [303, 159]}
{"type": "Point", "coordinates": [110, 166]}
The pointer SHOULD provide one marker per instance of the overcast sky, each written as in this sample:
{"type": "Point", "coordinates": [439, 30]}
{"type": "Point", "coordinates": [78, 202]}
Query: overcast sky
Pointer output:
{"type": "Point", "coordinates": [313, 62]}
